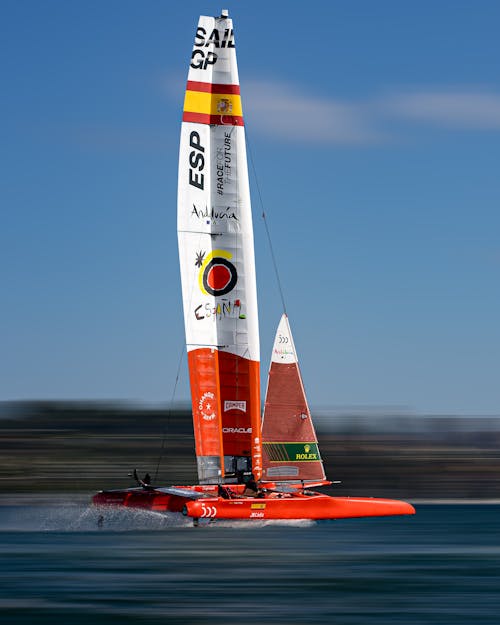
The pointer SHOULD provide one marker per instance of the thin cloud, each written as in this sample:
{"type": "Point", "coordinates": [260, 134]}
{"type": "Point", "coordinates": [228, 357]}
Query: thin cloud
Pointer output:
{"type": "Point", "coordinates": [285, 112]}
{"type": "Point", "coordinates": [458, 109]}
{"type": "Point", "coordinates": [290, 113]}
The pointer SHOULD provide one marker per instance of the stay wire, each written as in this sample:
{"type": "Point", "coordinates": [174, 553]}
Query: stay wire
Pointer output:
{"type": "Point", "coordinates": [264, 218]}
{"type": "Point", "coordinates": [166, 429]}
{"type": "Point", "coordinates": [169, 413]}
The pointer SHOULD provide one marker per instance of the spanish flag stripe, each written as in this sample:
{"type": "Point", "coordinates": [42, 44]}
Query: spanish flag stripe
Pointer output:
{"type": "Point", "coordinates": [208, 87]}
{"type": "Point", "coordinates": [213, 120]}
{"type": "Point", "coordinates": [212, 103]}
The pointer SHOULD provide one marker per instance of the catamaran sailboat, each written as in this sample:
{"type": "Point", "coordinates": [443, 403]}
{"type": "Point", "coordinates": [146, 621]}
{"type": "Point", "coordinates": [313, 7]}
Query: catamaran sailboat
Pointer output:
{"type": "Point", "coordinates": [249, 466]}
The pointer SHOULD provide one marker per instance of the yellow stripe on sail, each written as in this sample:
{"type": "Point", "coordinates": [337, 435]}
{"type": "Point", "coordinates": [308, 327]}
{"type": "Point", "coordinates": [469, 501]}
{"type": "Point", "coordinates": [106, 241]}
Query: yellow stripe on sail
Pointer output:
{"type": "Point", "coordinates": [212, 103]}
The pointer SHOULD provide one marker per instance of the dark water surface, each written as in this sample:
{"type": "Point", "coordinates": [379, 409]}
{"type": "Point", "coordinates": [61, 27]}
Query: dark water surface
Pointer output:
{"type": "Point", "coordinates": [440, 566]}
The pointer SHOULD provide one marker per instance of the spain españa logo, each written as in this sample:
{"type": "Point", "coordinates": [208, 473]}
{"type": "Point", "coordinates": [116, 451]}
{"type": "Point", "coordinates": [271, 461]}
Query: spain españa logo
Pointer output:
{"type": "Point", "coordinates": [217, 275]}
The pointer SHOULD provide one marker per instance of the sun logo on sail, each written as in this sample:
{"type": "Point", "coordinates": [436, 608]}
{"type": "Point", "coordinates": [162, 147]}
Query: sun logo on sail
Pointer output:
{"type": "Point", "coordinates": [217, 275]}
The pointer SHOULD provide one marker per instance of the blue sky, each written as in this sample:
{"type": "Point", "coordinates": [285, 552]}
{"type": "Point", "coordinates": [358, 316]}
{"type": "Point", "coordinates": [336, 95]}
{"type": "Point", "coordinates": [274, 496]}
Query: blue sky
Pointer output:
{"type": "Point", "coordinates": [375, 132]}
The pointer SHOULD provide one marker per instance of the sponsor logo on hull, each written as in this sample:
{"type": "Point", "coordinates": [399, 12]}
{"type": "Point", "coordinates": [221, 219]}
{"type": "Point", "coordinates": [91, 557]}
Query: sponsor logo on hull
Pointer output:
{"type": "Point", "coordinates": [208, 511]}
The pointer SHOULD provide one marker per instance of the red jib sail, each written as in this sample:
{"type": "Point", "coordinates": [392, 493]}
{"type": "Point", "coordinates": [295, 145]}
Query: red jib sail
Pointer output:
{"type": "Point", "coordinates": [290, 445]}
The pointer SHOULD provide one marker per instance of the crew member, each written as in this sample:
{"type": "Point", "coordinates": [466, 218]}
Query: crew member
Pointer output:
{"type": "Point", "coordinates": [251, 488]}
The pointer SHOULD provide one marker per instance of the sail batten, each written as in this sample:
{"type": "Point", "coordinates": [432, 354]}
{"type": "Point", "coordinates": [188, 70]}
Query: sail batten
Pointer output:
{"type": "Point", "coordinates": [216, 254]}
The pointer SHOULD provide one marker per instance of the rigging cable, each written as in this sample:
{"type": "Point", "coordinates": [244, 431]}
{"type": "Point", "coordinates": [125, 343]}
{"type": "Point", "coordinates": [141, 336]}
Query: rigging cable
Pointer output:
{"type": "Point", "coordinates": [270, 243]}
{"type": "Point", "coordinates": [167, 427]}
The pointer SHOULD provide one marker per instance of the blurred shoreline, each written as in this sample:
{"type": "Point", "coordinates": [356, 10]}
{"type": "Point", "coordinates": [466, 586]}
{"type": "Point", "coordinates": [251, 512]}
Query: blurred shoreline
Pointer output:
{"type": "Point", "coordinates": [70, 450]}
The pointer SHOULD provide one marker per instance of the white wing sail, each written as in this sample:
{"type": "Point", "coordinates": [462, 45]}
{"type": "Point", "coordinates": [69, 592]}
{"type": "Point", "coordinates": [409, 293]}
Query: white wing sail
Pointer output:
{"type": "Point", "coordinates": [217, 260]}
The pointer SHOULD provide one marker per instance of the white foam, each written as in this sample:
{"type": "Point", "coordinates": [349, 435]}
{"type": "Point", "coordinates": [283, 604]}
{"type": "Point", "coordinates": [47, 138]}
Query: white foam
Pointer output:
{"type": "Point", "coordinates": [80, 518]}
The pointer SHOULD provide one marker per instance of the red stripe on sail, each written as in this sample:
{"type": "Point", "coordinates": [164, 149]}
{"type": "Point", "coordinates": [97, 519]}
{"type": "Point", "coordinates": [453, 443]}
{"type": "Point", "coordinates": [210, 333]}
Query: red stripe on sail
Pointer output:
{"type": "Point", "coordinates": [213, 120]}
{"type": "Point", "coordinates": [208, 87]}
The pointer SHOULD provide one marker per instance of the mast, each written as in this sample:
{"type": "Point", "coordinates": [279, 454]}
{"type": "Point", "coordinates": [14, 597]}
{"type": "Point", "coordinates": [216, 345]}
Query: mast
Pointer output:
{"type": "Point", "coordinates": [290, 445]}
{"type": "Point", "coordinates": [217, 262]}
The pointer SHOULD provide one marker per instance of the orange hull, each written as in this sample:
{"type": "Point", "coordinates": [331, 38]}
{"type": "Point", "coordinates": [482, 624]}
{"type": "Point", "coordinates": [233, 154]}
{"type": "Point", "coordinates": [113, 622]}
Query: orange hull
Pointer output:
{"type": "Point", "coordinates": [139, 498]}
{"type": "Point", "coordinates": [296, 507]}
{"type": "Point", "coordinates": [289, 506]}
